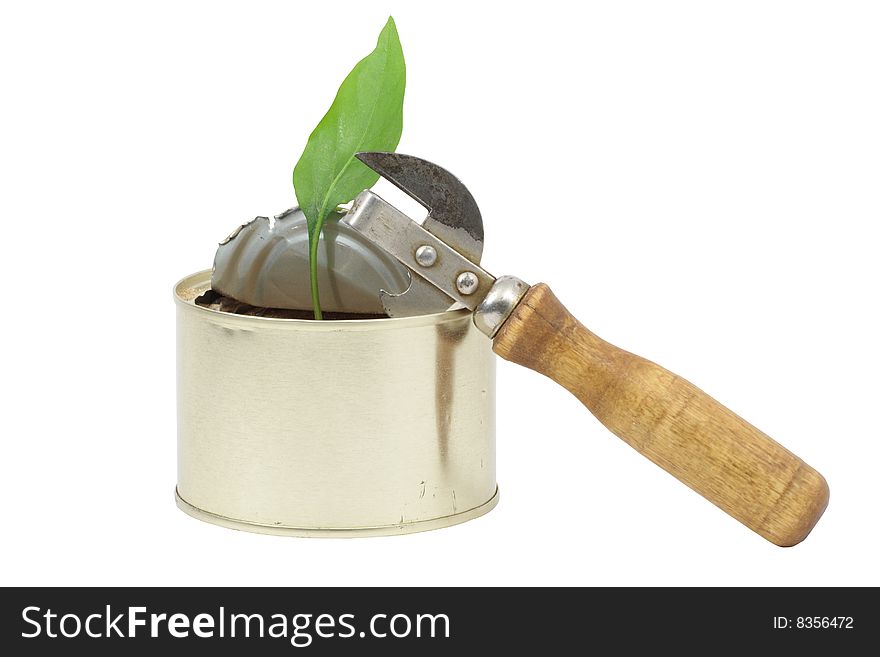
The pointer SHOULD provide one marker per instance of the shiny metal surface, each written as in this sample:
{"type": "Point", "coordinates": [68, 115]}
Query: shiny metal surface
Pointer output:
{"type": "Point", "coordinates": [265, 263]}
{"type": "Point", "coordinates": [466, 283]}
{"type": "Point", "coordinates": [453, 214]}
{"type": "Point", "coordinates": [497, 305]}
{"type": "Point", "coordinates": [426, 255]}
{"type": "Point", "coordinates": [360, 532]}
{"type": "Point", "coordinates": [400, 236]}
{"type": "Point", "coordinates": [333, 428]}
{"type": "Point", "coordinates": [453, 218]}
{"type": "Point", "coordinates": [418, 295]}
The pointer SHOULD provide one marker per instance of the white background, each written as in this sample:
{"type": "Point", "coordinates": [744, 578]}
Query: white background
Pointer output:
{"type": "Point", "coordinates": [698, 182]}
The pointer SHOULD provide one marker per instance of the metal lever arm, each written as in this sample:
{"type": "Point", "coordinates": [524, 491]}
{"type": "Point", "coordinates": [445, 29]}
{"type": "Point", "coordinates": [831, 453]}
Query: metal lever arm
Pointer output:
{"type": "Point", "coordinates": [669, 420]}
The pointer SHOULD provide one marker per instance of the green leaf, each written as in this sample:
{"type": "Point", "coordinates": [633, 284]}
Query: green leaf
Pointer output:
{"type": "Point", "coordinates": [366, 115]}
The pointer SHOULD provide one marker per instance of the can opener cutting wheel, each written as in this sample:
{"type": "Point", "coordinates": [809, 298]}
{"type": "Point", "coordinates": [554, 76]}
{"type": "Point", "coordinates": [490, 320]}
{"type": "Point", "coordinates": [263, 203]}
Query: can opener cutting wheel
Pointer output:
{"type": "Point", "coordinates": [661, 415]}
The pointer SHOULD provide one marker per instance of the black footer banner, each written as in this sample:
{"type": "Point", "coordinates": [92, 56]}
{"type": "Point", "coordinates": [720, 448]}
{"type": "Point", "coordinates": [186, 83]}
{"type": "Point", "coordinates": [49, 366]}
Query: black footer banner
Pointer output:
{"type": "Point", "coordinates": [325, 621]}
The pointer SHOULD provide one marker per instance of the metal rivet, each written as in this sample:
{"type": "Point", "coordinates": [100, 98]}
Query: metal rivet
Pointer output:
{"type": "Point", "coordinates": [426, 255]}
{"type": "Point", "coordinates": [467, 282]}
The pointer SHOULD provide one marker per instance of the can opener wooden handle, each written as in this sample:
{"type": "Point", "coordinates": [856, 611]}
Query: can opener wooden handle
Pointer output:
{"type": "Point", "coordinates": [661, 415]}
{"type": "Point", "coordinates": [669, 420]}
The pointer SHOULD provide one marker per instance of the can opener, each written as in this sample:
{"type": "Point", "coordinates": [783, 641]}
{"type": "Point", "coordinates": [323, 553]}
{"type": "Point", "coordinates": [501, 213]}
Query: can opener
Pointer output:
{"type": "Point", "coordinates": [661, 415]}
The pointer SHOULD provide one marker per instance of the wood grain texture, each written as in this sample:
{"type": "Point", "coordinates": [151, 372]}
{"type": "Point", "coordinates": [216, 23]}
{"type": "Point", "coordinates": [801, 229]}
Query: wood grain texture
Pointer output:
{"type": "Point", "coordinates": [669, 420]}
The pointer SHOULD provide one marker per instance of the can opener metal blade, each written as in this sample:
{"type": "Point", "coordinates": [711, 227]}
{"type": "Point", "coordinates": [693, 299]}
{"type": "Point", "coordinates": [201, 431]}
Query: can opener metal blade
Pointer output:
{"type": "Point", "coordinates": [667, 419]}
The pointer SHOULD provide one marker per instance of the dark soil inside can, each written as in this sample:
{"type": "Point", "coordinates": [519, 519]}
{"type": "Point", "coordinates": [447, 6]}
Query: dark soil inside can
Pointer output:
{"type": "Point", "coordinates": [216, 301]}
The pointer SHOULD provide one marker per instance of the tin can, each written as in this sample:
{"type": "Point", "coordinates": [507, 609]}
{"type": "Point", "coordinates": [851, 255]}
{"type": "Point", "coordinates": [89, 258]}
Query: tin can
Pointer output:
{"type": "Point", "coordinates": [332, 428]}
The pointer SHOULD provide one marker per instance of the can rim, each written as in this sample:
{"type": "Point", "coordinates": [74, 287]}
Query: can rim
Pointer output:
{"type": "Point", "coordinates": [339, 532]}
{"type": "Point", "coordinates": [201, 280]}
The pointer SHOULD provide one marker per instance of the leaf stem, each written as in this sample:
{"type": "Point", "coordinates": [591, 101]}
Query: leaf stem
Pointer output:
{"type": "Point", "coordinates": [313, 271]}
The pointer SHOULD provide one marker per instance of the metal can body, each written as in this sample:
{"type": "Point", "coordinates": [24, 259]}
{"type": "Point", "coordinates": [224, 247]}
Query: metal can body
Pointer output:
{"type": "Point", "coordinates": [285, 426]}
